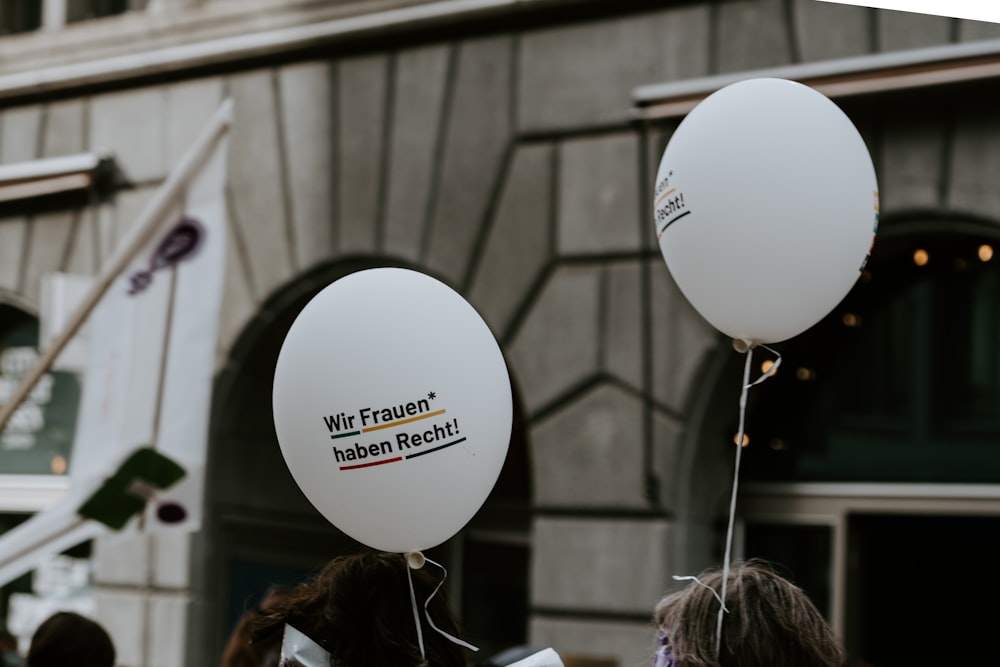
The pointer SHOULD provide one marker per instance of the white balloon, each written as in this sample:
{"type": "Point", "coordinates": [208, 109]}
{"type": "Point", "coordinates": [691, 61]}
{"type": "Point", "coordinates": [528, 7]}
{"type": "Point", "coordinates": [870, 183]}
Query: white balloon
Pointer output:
{"type": "Point", "coordinates": [392, 405]}
{"type": "Point", "coordinates": [766, 208]}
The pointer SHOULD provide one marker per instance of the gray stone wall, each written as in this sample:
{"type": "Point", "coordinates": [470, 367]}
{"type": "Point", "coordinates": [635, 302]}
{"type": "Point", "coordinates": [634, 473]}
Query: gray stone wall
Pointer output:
{"type": "Point", "coordinates": [507, 166]}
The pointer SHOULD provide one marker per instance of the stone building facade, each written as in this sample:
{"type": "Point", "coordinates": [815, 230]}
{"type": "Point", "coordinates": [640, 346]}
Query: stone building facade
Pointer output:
{"type": "Point", "coordinates": [495, 146]}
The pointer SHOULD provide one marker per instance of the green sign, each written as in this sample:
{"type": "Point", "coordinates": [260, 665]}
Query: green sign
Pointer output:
{"type": "Point", "coordinates": [39, 436]}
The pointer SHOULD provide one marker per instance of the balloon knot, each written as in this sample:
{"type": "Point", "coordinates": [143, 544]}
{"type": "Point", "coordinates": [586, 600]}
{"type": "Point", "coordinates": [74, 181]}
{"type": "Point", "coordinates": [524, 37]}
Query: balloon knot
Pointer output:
{"type": "Point", "coordinates": [415, 560]}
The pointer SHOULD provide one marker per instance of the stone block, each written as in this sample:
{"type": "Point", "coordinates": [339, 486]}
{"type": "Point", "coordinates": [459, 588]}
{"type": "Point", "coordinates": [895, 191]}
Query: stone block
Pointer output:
{"type": "Point", "coordinates": [121, 559]}
{"type": "Point", "coordinates": [913, 154]}
{"type": "Point", "coordinates": [682, 336]}
{"type": "Point", "coordinates": [667, 459]}
{"type": "Point", "coordinates": [189, 105]}
{"type": "Point", "coordinates": [414, 134]}
{"type": "Point", "coordinates": [84, 258]}
{"type": "Point", "coordinates": [130, 124]}
{"type": "Point", "coordinates": [590, 453]}
{"type": "Point", "coordinates": [306, 129]}
{"type": "Point", "coordinates": [622, 326]}
{"type": "Point", "coordinates": [476, 136]}
{"type": "Point", "coordinates": [974, 31]}
{"type": "Point", "coordinates": [64, 128]}
{"type": "Point", "coordinates": [598, 195]}
{"type": "Point", "coordinates": [975, 165]}
{"type": "Point", "coordinates": [123, 613]}
{"type": "Point", "coordinates": [557, 344]}
{"type": "Point", "coordinates": [752, 35]}
{"type": "Point", "coordinates": [558, 67]}
{"type": "Point", "coordinates": [826, 30]}
{"type": "Point", "coordinates": [19, 134]}
{"type": "Point", "coordinates": [362, 85]}
{"type": "Point", "coordinates": [518, 243]}
{"type": "Point", "coordinates": [238, 304]}
{"type": "Point", "coordinates": [170, 553]}
{"type": "Point", "coordinates": [13, 236]}
{"type": "Point", "coordinates": [168, 616]}
{"type": "Point", "coordinates": [899, 30]}
{"type": "Point", "coordinates": [51, 233]}
{"type": "Point", "coordinates": [627, 644]}
{"type": "Point", "coordinates": [257, 181]}
{"type": "Point", "coordinates": [599, 565]}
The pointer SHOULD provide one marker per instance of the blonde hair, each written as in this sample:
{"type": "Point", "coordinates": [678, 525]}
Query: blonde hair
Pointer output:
{"type": "Point", "coordinates": [770, 622]}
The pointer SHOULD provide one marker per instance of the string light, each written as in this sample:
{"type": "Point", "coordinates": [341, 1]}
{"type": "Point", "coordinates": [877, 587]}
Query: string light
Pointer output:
{"type": "Point", "coordinates": [920, 257]}
{"type": "Point", "coordinates": [746, 439]}
{"type": "Point", "coordinates": [985, 253]}
{"type": "Point", "coordinates": [805, 374]}
{"type": "Point", "coordinates": [767, 367]}
{"type": "Point", "coordinates": [851, 320]}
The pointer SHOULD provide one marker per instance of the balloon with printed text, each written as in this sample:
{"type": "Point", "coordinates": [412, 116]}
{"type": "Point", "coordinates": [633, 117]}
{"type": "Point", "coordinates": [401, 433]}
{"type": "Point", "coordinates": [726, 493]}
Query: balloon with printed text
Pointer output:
{"type": "Point", "coordinates": [393, 408]}
{"type": "Point", "coordinates": [766, 208]}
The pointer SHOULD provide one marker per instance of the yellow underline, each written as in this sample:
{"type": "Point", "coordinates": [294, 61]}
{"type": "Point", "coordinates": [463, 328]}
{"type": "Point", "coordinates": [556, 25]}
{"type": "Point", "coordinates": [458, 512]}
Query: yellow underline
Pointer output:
{"type": "Point", "coordinates": [668, 192]}
{"type": "Point", "coordinates": [402, 421]}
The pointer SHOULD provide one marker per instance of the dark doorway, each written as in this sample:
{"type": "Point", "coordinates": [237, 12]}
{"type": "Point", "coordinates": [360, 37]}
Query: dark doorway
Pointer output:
{"type": "Point", "coordinates": [922, 590]}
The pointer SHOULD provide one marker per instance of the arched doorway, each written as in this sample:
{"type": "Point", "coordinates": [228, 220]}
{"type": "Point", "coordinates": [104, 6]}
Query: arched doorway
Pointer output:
{"type": "Point", "coordinates": [261, 530]}
{"type": "Point", "coordinates": [872, 472]}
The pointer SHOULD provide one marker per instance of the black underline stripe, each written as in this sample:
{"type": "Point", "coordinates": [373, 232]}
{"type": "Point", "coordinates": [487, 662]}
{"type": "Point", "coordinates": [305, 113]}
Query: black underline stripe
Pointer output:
{"type": "Point", "coordinates": [670, 222]}
{"type": "Point", "coordinates": [440, 447]}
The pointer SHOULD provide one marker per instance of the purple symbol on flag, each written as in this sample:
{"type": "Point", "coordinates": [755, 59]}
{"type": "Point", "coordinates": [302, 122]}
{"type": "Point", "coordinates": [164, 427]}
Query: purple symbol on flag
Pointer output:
{"type": "Point", "coordinates": [181, 242]}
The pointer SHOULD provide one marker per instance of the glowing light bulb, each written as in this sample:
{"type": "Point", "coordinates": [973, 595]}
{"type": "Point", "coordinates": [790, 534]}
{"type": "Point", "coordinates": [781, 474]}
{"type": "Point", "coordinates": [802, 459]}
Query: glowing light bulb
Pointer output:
{"type": "Point", "coordinates": [920, 257]}
{"type": "Point", "coordinates": [851, 320]}
{"type": "Point", "coordinates": [985, 253]}
{"type": "Point", "coordinates": [805, 374]}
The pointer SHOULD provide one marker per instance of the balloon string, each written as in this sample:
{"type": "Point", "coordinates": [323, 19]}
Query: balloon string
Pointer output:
{"type": "Point", "coordinates": [427, 613]}
{"type": "Point", "coordinates": [415, 560]}
{"type": "Point", "coordinates": [416, 614]}
{"type": "Point", "coordinates": [701, 583]}
{"type": "Point", "coordinates": [736, 479]}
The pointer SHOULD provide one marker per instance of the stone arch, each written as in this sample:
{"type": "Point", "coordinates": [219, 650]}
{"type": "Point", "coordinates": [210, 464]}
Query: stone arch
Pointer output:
{"type": "Point", "coordinates": [259, 525]}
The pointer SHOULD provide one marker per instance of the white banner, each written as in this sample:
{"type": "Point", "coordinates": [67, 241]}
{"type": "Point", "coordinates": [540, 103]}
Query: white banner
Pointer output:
{"type": "Point", "coordinates": [146, 394]}
{"type": "Point", "coordinates": [976, 10]}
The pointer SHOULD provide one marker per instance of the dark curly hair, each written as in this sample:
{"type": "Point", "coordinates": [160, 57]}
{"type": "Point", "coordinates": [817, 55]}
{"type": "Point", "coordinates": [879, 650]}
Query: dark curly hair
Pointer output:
{"type": "Point", "coordinates": [770, 622]}
{"type": "Point", "coordinates": [358, 608]}
{"type": "Point", "coordinates": [67, 638]}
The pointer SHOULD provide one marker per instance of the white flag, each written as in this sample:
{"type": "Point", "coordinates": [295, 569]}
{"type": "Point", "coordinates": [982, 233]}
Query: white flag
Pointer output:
{"type": "Point", "coordinates": [140, 446]}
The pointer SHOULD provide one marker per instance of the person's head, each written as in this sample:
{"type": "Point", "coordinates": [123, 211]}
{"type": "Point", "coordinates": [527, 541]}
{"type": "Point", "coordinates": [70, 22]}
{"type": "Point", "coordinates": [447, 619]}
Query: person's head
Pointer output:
{"type": "Point", "coordinates": [358, 609]}
{"type": "Point", "coordinates": [240, 651]}
{"type": "Point", "coordinates": [67, 638]}
{"type": "Point", "coordinates": [770, 622]}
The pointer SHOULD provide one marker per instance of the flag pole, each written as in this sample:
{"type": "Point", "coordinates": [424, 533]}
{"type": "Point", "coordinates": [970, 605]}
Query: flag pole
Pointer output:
{"type": "Point", "coordinates": [142, 230]}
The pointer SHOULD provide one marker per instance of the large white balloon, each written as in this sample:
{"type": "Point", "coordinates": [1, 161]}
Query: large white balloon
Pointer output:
{"type": "Point", "coordinates": [766, 208]}
{"type": "Point", "coordinates": [392, 405]}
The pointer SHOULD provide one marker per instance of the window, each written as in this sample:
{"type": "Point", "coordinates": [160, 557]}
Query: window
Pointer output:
{"type": "Point", "coordinates": [20, 16]}
{"type": "Point", "coordinates": [901, 382]}
{"type": "Point", "coordinates": [83, 10]}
